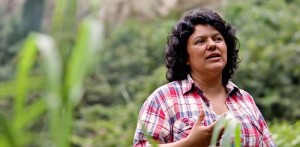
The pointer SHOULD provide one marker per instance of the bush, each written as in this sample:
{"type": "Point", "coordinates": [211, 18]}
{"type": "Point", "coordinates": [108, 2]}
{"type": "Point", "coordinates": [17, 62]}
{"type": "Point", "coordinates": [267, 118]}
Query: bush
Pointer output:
{"type": "Point", "coordinates": [270, 69]}
{"type": "Point", "coordinates": [285, 133]}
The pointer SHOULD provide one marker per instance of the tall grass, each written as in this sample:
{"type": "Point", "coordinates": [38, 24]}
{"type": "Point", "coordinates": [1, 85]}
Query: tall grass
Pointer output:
{"type": "Point", "coordinates": [65, 66]}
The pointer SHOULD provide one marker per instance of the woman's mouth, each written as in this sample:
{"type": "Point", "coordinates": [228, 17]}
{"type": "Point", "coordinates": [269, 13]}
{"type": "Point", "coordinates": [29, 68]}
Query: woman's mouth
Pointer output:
{"type": "Point", "coordinates": [213, 56]}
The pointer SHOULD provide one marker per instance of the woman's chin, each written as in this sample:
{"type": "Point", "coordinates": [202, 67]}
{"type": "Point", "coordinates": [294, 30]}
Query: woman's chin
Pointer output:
{"type": "Point", "coordinates": [215, 68]}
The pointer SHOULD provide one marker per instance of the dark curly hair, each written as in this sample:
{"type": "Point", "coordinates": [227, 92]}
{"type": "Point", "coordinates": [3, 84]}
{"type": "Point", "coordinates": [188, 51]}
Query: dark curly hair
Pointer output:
{"type": "Point", "coordinates": [176, 49]}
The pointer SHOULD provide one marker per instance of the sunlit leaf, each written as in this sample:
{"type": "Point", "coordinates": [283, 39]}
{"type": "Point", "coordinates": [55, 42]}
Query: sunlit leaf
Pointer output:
{"type": "Point", "coordinates": [230, 132]}
{"type": "Point", "coordinates": [83, 55]}
{"type": "Point", "coordinates": [237, 135]}
{"type": "Point", "coordinates": [52, 67]}
{"type": "Point", "coordinates": [27, 56]}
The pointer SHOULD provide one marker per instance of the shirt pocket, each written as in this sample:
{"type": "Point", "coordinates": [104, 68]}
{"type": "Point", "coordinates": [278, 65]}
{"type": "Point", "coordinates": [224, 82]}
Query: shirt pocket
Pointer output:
{"type": "Point", "coordinates": [182, 128]}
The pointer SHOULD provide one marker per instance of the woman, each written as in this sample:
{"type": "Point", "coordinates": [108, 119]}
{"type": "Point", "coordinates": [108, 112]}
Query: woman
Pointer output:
{"type": "Point", "coordinates": [201, 57]}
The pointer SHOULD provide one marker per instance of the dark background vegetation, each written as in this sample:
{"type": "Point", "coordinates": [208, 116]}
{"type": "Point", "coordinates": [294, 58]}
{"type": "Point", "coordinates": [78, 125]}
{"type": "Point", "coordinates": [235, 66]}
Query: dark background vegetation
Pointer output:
{"type": "Point", "coordinates": [130, 65]}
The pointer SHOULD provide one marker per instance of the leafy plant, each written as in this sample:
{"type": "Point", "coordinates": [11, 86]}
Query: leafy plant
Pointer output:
{"type": "Point", "coordinates": [285, 133]}
{"type": "Point", "coordinates": [269, 71]}
{"type": "Point", "coordinates": [63, 84]}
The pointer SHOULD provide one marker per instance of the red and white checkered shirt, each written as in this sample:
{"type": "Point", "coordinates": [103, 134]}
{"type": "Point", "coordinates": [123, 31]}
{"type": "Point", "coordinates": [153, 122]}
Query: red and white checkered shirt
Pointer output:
{"type": "Point", "coordinates": [170, 111]}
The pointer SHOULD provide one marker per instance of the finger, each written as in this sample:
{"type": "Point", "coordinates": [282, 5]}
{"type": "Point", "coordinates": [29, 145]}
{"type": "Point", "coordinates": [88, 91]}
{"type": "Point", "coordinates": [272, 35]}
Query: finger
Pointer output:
{"type": "Point", "coordinates": [211, 127]}
{"type": "Point", "coordinates": [200, 118]}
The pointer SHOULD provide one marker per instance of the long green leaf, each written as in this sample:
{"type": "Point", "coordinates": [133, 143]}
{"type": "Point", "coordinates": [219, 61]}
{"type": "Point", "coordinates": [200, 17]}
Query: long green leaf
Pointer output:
{"type": "Point", "coordinates": [64, 16]}
{"type": "Point", "coordinates": [61, 124]}
{"type": "Point", "coordinates": [58, 115]}
{"type": "Point", "coordinates": [9, 88]}
{"type": "Point", "coordinates": [27, 56]}
{"type": "Point", "coordinates": [84, 53]}
{"type": "Point", "coordinates": [230, 132]}
{"type": "Point", "coordinates": [237, 135]}
{"type": "Point", "coordinates": [7, 132]}
{"type": "Point", "coordinates": [221, 123]}
{"type": "Point", "coordinates": [32, 112]}
{"type": "Point", "coordinates": [63, 31]}
{"type": "Point", "coordinates": [53, 69]}
{"type": "Point", "coordinates": [78, 66]}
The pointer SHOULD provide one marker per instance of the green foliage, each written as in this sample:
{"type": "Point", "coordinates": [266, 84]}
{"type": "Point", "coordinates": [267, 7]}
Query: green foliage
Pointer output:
{"type": "Point", "coordinates": [13, 31]}
{"type": "Point", "coordinates": [52, 103]}
{"type": "Point", "coordinates": [286, 133]}
{"type": "Point", "coordinates": [63, 88]}
{"type": "Point", "coordinates": [115, 128]}
{"type": "Point", "coordinates": [269, 48]}
{"type": "Point", "coordinates": [132, 53]}
{"type": "Point", "coordinates": [269, 34]}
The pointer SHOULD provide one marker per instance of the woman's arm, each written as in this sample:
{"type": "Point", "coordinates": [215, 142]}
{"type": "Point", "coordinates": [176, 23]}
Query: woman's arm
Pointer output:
{"type": "Point", "coordinates": [199, 136]}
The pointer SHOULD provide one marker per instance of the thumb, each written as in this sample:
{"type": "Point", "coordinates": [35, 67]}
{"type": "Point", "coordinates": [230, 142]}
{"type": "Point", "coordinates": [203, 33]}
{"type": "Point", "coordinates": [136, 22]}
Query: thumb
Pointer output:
{"type": "Point", "coordinates": [200, 118]}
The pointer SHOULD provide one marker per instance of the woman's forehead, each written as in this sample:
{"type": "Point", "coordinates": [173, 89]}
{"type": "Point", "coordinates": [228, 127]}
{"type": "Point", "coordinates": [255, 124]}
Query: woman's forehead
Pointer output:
{"type": "Point", "coordinates": [205, 30]}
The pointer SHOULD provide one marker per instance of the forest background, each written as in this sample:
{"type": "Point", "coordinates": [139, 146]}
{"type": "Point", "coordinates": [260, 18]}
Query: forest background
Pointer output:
{"type": "Point", "coordinates": [75, 73]}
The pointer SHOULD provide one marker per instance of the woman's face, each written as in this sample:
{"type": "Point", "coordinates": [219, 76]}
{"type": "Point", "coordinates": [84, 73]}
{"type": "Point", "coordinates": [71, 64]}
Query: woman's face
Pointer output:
{"type": "Point", "coordinates": [207, 51]}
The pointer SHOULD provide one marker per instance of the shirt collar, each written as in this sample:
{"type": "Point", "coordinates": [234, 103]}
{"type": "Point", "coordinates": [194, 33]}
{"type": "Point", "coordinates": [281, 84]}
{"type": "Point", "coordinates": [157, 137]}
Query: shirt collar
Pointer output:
{"type": "Point", "coordinates": [188, 84]}
{"type": "Point", "coordinates": [231, 87]}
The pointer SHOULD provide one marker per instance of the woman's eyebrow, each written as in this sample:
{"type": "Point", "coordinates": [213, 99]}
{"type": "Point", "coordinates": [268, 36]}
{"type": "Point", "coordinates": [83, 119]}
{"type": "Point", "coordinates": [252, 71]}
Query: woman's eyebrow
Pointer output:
{"type": "Point", "coordinates": [216, 34]}
{"type": "Point", "coordinates": [199, 37]}
{"type": "Point", "coordinates": [204, 36]}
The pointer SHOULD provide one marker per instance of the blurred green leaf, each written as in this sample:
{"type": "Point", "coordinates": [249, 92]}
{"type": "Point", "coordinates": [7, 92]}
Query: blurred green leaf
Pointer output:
{"type": "Point", "coordinates": [82, 58]}
{"type": "Point", "coordinates": [33, 112]}
{"type": "Point", "coordinates": [221, 124]}
{"type": "Point", "coordinates": [28, 53]}
{"type": "Point", "coordinates": [7, 132]}
{"type": "Point", "coordinates": [8, 88]}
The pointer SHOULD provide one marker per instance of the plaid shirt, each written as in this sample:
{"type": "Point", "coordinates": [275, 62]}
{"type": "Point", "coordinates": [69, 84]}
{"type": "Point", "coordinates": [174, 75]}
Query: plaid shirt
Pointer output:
{"type": "Point", "coordinates": [169, 114]}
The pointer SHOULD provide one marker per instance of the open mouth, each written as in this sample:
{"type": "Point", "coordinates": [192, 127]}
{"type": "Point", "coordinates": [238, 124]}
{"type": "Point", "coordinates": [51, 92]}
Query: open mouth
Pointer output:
{"type": "Point", "coordinates": [213, 56]}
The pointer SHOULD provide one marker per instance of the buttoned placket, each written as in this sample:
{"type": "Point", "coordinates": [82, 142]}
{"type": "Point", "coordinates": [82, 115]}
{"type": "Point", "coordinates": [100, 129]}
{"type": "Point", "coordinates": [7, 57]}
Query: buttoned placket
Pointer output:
{"type": "Point", "coordinates": [206, 107]}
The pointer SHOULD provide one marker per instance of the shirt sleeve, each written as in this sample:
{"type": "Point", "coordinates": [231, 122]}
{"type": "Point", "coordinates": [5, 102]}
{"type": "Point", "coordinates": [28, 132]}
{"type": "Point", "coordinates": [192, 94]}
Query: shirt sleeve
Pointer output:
{"type": "Point", "coordinates": [152, 123]}
{"type": "Point", "coordinates": [267, 137]}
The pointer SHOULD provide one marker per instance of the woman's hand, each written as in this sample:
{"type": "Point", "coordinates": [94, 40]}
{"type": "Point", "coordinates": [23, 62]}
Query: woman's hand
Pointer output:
{"type": "Point", "coordinates": [200, 135]}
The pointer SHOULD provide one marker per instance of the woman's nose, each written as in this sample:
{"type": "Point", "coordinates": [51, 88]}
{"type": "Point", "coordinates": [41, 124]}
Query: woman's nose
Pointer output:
{"type": "Point", "coordinates": [211, 44]}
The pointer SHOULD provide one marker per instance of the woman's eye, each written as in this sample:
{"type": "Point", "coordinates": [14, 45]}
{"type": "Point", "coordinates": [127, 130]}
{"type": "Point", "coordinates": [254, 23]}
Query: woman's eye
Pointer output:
{"type": "Point", "coordinates": [219, 39]}
{"type": "Point", "coordinates": [199, 42]}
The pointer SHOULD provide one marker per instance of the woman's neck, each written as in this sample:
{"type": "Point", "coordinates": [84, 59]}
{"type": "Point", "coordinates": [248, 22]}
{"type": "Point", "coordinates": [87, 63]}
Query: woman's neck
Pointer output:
{"type": "Point", "coordinates": [214, 91]}
{"type": "Point", "coordinates": [209, 86]}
